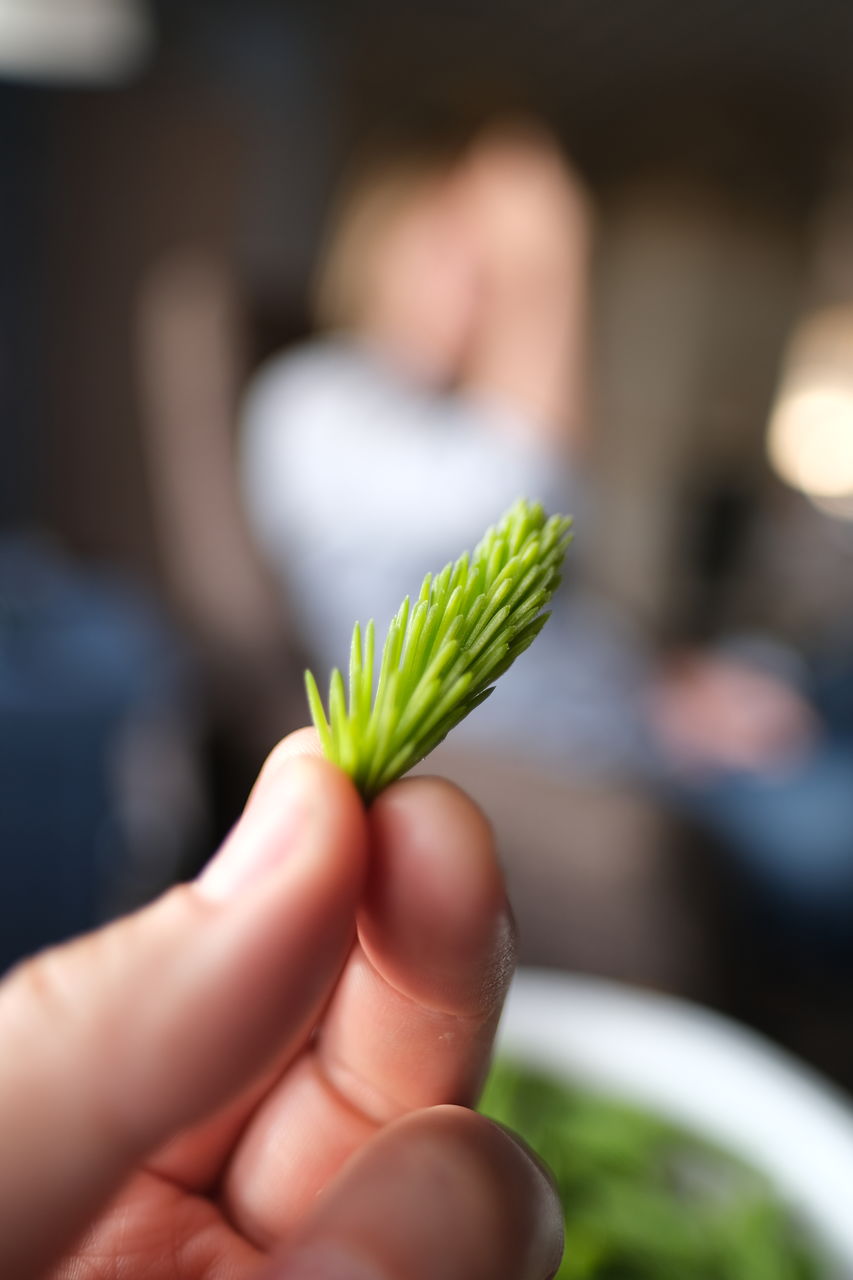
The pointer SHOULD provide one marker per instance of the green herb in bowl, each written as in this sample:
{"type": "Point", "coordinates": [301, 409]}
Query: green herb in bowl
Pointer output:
{"type": "Point", "coordinates": [644, 1199]}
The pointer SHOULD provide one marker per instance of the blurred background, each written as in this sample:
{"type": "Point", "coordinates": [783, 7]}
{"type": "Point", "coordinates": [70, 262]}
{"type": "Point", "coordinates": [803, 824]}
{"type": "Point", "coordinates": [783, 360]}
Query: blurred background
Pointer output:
{"type": "Point", "coordinates": [649, 211]}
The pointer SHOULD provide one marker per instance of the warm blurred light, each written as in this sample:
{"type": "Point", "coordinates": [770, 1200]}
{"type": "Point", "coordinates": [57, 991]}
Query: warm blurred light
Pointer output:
{"type": "Point", "coordinates": [71, 40]}
{"type": "Point", "coordinates": [810, 436]}
{"type": "Point", "coordinates": [811, 439]}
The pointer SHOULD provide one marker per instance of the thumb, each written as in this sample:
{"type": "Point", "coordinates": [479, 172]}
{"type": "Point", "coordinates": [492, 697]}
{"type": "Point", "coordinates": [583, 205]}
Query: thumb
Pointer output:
{"type": "Point", "coordinates": [111, 1044]}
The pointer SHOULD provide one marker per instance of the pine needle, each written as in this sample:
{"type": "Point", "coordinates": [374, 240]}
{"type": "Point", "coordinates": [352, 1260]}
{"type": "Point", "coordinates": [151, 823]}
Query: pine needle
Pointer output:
{"type": "Point", "coordinates": [442, 655]}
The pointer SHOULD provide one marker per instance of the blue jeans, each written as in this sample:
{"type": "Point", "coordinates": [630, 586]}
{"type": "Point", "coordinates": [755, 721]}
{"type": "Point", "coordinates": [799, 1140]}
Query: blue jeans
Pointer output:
{"type": "Point", "coordinates": [793, 833]}
{"type": "Point", "coordinates": [81, 656]}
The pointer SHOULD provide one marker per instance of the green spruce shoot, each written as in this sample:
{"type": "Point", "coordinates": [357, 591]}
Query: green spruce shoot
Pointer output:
{"type": "Point", "coordinates": [442, 656]}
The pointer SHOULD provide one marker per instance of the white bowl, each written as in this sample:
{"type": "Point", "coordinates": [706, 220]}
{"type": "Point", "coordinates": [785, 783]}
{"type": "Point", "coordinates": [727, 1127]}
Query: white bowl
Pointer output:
{"type": "Point", "coordinates": [715, 1077]}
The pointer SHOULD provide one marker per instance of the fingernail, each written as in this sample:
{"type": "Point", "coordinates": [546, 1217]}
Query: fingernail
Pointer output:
{"type": "Point", "coordinates": [270, 828]}
{"type": "Point", "coordinates": [324, 1262]}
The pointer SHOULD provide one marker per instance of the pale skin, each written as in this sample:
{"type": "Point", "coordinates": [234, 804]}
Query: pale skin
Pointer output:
{"type": "Point", "coordinates": [531, 225]}
{"type": "Point", "coordinates": [479, 282]}
{"type": "Point", "coordinates": [267, 1073]}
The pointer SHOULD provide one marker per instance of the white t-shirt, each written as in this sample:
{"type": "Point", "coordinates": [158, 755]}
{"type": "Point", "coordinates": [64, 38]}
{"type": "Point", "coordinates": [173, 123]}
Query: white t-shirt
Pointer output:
{"type": "Point", "coordinates": [358, 482]}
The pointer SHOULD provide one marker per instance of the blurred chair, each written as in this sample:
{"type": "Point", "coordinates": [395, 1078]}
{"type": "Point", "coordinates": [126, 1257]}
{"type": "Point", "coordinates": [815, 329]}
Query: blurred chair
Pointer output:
{"type": "Point", "coordinates": [190, 337]}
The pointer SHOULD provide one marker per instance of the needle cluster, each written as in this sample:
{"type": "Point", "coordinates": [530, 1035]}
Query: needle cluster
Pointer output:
{"type": "Point", "coordinates": [442, 655]}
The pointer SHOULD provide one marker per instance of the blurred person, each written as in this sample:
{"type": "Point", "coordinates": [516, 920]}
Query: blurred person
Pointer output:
{"type": "Point", "coordinates": [454, 293]}
{"type": "Point", "coordinates": [783, 798]}
{"type": "Point", "coordinates": [177, 1090]}
{"type": "Point", "coordinates": [449, 382]}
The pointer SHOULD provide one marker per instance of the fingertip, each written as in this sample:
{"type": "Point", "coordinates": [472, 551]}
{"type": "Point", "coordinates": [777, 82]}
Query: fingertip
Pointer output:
{"type": "Point", "coordinates": [435, 916]}
{"type": "Point", "coordinates": [434, 813]}
{"type": "Point", "coordinates": [301, 803]}
{"type": "Point", "coordinates": [302, 749]}
{"type": "Point", "coordinates": [333, 792]}
{"type": "Point", "coordinates": [441, 1192]}
{"type": "Point", "coordinates": [441, 791]}
{"type": "Point", "coordinates": [511, 1189]}
{"type": "Point", "coordinates": [302, 742]}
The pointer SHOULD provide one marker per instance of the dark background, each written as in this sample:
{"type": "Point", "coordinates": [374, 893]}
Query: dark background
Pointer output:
{"type": "Point", "coordinates": [717, 141]}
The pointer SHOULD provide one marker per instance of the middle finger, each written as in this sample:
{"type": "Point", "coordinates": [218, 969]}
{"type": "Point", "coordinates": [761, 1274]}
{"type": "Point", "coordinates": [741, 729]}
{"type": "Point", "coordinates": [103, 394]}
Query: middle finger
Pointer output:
{"type": "Point", "coordinates": [411, 1022]}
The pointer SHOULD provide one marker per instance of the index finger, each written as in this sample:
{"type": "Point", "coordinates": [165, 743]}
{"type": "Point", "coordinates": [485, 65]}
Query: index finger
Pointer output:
{"type": "Point", "coordinates": [117, 1040]}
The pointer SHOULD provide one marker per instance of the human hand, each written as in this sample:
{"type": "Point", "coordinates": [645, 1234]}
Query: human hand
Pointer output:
{"type": "Point", "coordinates": [530, 221]}
{"type": "Point", "coordinates": [530, 213]}
{"type": "Point", "coordinates": [178, 1088]}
